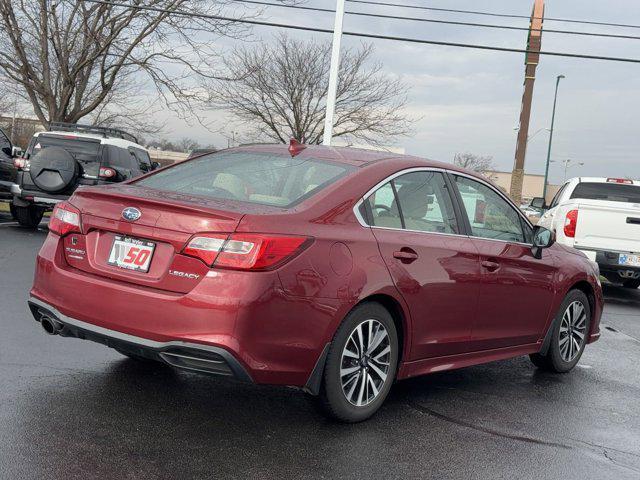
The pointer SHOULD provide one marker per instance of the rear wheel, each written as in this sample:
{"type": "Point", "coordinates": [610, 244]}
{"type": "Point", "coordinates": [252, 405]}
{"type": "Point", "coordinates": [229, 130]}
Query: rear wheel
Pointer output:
{"type": "Point", "coordinates": [569, 337]}
{"type": "Point", "coordinates": [361, 364]}
{"type": "Point", "coordinates": [30, 216]}
{"type": "Point", "coordinates": [631, 283]}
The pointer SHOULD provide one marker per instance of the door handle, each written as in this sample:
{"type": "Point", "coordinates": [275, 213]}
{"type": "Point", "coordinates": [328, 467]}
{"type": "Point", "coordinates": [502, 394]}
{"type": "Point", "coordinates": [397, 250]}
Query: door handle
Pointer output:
{"type": "Point", "coordinates": [490, 266]}
{"type": "Point", "coordinates": [406, 255]}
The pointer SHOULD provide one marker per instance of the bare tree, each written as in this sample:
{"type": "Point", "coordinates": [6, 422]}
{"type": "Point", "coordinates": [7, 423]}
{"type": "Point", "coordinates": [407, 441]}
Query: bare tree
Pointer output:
{"type": "Point", "coordinates": [477, 163]}
{"type": "Point", "coordinates": [186, 144]}
{"type": "Point", "coordinates": [80, 58]}
{"type": "Point", "coordinates": [279, 90]}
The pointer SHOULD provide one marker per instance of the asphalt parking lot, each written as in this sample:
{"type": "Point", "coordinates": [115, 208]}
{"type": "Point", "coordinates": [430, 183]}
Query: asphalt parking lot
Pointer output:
{"type": "Point", "coordinates": [74, 409]}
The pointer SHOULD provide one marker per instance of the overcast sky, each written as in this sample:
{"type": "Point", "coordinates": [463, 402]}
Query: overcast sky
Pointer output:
{"type": "Point", "coordinates": [469, 100]}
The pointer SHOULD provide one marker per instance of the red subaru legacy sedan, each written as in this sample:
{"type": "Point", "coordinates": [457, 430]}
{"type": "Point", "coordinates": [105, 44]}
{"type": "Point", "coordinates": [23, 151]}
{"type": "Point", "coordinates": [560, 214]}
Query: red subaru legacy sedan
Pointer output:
{"type": "Point", "coordinates": [335, 270]}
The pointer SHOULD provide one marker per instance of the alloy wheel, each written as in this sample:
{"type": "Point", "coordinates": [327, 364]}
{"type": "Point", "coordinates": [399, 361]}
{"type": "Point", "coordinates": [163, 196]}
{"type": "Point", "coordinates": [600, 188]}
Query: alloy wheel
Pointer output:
{"type": "Point", "coordinates": [364, 366]}
{"type": "Point", "coordinates": [572, 331]}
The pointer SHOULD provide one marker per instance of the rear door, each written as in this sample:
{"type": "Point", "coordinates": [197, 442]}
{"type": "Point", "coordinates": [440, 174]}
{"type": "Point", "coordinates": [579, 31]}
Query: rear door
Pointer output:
{"type": "Point", "coordinates": [608, 215]}
{"type": "Point", "coordinates": [517, 289]}
{"type": "Point", "coordinates": [432, 263]}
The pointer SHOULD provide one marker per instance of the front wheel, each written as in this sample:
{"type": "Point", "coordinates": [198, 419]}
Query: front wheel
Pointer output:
{"type": "Point", "coordinates": [29, 217]}
{"type": "Point", "coordinates": [569, 336]}
{"type": "Point", "coordinates": [361, 364]}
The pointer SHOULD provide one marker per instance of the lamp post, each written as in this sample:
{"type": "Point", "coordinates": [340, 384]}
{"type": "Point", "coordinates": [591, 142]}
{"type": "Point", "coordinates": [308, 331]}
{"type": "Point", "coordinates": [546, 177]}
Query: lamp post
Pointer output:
{"type": "Point", "coordinates": [567, 165]}
{"type": "Point", "coordinates": [553, 117]}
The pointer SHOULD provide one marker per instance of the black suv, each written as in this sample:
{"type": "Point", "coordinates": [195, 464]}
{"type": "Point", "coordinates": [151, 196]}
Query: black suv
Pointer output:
{"type": "Point", "coordinates": [68, 156]}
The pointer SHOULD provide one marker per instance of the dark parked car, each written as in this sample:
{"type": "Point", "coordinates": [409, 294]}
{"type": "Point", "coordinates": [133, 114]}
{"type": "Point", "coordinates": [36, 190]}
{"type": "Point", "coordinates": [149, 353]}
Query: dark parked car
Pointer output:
{"type": "Point", "coordinates": [8, 171]}
{"type": "Point", "coordinates": [68, 156]}
{"type": "Point", "coordinates": [334, 270]}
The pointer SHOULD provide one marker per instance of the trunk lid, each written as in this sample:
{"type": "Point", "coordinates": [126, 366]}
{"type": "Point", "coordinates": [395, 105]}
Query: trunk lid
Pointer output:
{"type": "Point", "coordinates": [167, 220]}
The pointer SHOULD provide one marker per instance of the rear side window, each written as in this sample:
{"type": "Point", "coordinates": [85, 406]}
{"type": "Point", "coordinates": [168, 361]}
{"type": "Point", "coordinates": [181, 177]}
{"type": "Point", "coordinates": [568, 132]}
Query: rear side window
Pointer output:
{"type": "Point", "coordinates": [85, 151]}
{"type": "Point", "coordinates": [612, 192]}
{"type": "Point", "coordinates": [262, 178]}
{"type": "Point", "coordinates": [417, 201]}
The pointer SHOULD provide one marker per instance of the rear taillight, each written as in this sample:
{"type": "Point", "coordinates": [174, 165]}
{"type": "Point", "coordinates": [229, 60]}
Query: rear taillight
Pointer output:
{"type": "Point", "coordinates": [570, 223]}
{"type": "Point", "coordinates": [21, 163]}
{"type": "Point", "coordinates": [244, 251]}
{"type": "Point", "coordinates": [106, 172]}
{"type": "Point", "coordinates": [65, 219]}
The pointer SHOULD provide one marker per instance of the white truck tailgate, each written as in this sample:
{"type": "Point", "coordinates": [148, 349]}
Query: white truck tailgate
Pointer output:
{"type": "Point", "coordinates": [610, 226]}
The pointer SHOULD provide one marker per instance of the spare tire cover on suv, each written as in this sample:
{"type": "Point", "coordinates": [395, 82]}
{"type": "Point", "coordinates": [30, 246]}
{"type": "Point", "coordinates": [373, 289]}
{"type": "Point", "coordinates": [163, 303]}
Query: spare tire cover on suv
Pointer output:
{"type": "Point", "coordinates": [53, 169]}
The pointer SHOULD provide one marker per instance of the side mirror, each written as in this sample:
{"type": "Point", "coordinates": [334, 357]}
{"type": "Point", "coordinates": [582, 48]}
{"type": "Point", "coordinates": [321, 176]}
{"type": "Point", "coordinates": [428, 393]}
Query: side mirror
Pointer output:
{"type": "Point", "coordinates": [155, 165]}
{"type": "Point", "coordinates": [538, 202]}
{"type": "Point", "coordinates": [16, 152]}
{"type": "Point", "coordinates": [542, 238]}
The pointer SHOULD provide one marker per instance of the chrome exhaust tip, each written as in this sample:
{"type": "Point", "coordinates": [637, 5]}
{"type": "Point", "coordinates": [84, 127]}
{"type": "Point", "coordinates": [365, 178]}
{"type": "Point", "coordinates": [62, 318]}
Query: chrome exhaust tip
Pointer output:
{"type": "Point", "coordinates": [50, 326]}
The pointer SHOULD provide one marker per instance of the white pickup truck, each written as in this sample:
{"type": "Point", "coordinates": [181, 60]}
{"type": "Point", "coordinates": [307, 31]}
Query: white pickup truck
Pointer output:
{"type": "Point", "coordinates": [601, 218]}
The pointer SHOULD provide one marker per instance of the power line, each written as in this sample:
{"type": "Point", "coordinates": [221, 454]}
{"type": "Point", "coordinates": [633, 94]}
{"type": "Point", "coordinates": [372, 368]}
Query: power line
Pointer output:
{"type": "Point", "coordinates": [446, 22]}
{"type": "Point", "coordinates": [362, 34]}
{"type": "Point", "coordinates": [492, 14]}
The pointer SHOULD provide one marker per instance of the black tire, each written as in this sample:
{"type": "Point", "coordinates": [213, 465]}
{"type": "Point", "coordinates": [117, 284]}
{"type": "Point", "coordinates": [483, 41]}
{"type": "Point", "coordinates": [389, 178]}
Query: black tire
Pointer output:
{"type": "Point", "coordinates": [631, 283]}
{"type": "Point", "coordinates": [554, 359]}
{"type": "Point", "coordinates": [332, 397]}
{"type": "Point", "coordinates": [29, 217]}
{"type": "Point", "coordinates": [12, 210]}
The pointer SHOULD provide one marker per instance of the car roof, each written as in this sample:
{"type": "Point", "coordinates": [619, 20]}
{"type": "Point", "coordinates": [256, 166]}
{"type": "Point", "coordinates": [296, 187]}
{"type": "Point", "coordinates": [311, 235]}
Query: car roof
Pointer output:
{"type": "Point", "coordinates": [118, 142]}
{"type": "Point", "coordinates": [600, 180]}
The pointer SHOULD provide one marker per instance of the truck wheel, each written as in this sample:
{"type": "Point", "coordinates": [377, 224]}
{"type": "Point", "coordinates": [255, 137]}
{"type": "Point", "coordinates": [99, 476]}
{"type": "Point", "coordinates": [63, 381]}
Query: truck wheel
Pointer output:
{"type": "Point", "coordinates": [30, 216]}
{"type": "Point", "coordinates": [631, 283]}
{"type": "Point", "coordinates": [569, 335]}
{"type": "Point", "coordinates": [361, 364]}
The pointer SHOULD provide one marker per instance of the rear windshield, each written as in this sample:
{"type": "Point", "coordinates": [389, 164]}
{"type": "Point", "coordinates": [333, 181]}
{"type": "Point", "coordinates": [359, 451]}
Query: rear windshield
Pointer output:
{"type": "Point", "coordinates": [265, 179]}
{"type": "Point", "coordinates": [85, 151]}
{"type": "Point", "coordinates": [613, 192]}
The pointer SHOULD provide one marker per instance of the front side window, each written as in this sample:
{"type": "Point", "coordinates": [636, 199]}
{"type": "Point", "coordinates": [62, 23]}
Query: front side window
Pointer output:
{"type": "Point", "coordinates": [418, 201]}
{"type": "Point", "coordinates": [490, 215]}
{"type": "Point", "coordinates": [142, 158]}
{"type": "Point", "coordinates": [261, 178]}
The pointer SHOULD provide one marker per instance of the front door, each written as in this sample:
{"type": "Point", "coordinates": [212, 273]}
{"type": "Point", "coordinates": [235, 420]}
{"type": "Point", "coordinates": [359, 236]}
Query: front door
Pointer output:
{"type": "Point", "coordinates": [432, 264]}
{"type": "Point", "coordinates": [517, 290]}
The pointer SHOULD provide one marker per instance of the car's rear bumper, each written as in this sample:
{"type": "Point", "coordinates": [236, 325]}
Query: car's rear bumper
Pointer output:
{"type": "Point", "coordinates": [609, 266]}
{"type": "Point", "coordinates": [185, 355]}
{"type": "Point", "coordinates": [275, 338]}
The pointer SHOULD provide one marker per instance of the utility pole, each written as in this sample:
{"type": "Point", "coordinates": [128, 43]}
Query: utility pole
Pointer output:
{"type": "Point", "coordinates": [532, 57]}
{"type": "Point", "coordinates": [333, 73]}
{"type": "Point", "coordinates": [553, 117]}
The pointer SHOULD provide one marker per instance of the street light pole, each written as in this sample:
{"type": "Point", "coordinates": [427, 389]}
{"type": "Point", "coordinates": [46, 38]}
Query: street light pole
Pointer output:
{"type": "Point", "coordinates": [333, 73]}
{"type": "Point", "coordinates": [553, 117]}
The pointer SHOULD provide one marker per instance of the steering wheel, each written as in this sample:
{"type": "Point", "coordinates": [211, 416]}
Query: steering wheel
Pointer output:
{"type": "Point", "coordinates": [383, 207]}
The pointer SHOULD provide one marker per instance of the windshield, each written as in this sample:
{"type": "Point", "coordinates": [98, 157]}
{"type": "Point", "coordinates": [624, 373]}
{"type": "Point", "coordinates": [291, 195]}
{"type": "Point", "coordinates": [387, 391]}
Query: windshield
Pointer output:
{"type": "Point", "coordinates": [85, 151]}
{"type": "Point", "coordinates": [265, 179]}
{"type": "Point", "coordinates": [612, 192]}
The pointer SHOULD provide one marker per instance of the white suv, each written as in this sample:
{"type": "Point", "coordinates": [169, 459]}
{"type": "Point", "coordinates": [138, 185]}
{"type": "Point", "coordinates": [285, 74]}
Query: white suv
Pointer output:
{"type": "Point", "coordinates": [67, 156]}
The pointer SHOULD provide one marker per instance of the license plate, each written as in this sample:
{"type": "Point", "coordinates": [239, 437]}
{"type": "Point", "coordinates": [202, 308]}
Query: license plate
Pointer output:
{"type": "Point", "coordinates": [629, 259]}
{"type": "Point", "coordinates": [131, 253]}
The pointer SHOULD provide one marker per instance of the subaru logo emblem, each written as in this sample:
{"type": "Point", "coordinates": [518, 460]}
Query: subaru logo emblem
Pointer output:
{"type": "Point", "coordinates": [131, 214]}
